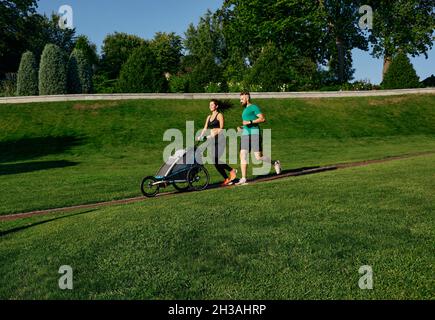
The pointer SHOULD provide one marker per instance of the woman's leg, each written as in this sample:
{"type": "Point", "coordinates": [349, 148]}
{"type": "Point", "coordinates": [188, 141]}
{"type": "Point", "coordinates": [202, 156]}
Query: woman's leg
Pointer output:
{"type": "Point", "coordinates": [219, 150]}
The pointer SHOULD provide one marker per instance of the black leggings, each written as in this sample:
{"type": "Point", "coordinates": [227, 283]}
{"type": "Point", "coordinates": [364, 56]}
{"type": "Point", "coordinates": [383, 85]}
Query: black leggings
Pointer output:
{"type": "Point", "coordinates": [218, 150]}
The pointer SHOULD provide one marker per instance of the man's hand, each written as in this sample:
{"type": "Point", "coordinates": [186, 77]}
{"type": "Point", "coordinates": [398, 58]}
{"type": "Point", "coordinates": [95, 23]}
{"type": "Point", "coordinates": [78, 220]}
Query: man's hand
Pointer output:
{"type": "Point", "coordinates": [246, 123]}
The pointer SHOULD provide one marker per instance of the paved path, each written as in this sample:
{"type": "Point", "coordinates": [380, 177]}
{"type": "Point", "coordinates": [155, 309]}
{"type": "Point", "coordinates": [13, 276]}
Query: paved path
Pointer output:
{"type": "Point", "coordinates": [285, 174]}
{"type": "Point", "coordinates": [206, 96]}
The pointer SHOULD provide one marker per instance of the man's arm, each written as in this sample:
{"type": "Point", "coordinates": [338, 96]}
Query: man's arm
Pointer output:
{"type": "Point", "coordinates": [260, 119]}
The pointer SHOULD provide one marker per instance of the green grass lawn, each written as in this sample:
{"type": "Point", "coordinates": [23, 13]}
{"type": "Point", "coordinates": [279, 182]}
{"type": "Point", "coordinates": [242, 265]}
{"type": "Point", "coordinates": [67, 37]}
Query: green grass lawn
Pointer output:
{"type": "Point", "coordinates": [61, 154]}
{"type": "Point", "coordinates": [295, 238]}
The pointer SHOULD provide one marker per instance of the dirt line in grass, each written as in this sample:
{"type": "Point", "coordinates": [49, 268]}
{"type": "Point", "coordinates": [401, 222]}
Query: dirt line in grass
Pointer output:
{"type": "Point", "coordinates": [284, 174]}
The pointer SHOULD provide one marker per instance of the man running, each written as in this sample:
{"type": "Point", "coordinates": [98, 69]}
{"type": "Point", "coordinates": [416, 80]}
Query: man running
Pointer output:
{"type": "Point", "coordinates": [251, 136]}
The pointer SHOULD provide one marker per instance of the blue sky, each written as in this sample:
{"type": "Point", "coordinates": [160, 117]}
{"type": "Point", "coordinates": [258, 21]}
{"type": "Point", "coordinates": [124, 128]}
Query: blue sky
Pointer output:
{"type": "Point", "coordinates": [97, 18]}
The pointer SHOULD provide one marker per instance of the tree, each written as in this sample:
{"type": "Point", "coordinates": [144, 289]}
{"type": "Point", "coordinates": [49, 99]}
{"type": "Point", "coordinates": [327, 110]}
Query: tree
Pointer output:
{"type": "Point", "coordinates": [407, 26]}
{"type": "Point", "coordinates": [89, 49]}
{"type": "Point", "coordinates": [22, 29]}
{"type": "Point", "coordinates": [14, 31]}
{"type": "Point", "coordinates": [52, 71]}
{"type": "Point", "coordinates": [117, 48]}
{"type": "Point", "coordinates": [401, 74]}
{"type": "Point", "coordinates": [429, 81]}
{"type": "Point", "coordinates": [270, 71]}
{"type": "Point", "coordinates": [250, 24]}
{"type": "Point", "coordinates": [79, 73]}
{"type": "Point", "coordinates": [27, 79]}
{"type": "Point", "coordinates": [205, 72]}
{"type": "Point", "coordinates": [168, 50]}
{"type": "Point", "coordinates": [141, 73]}
{"type": "Point", "coordinates": [206, 38]}
{"type": "Point", "coordinates": [342, 34]}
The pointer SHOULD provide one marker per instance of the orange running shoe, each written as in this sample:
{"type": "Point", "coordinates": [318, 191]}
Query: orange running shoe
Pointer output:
{"type": "Point", "coordinates": [233, 175]}
{"type": "Point", "coordinates": [226, 182]}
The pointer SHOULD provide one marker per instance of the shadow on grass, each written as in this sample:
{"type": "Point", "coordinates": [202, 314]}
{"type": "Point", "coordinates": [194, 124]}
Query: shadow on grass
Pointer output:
{"type": "Point", "coordinates": [14, 230]}
{"type": "Point", "coordinates": [30, 148]}
{"type": "Point", "coordinates": [284, 172]}
{"type": "Point", "coordinates": [16, 168]}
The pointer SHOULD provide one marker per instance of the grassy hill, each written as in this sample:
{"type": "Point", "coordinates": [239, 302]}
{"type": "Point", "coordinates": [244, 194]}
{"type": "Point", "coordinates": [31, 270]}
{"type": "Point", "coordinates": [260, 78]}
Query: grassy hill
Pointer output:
{"type": "Point", "coordinates": [296, 238]}
{"type": "Point", "coordinates": [60, 154]}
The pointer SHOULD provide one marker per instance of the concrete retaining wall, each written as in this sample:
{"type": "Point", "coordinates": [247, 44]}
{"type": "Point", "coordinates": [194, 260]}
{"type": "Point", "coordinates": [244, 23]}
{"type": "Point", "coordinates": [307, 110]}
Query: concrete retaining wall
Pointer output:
{"type": "Point", "coordinates": [206, 96]}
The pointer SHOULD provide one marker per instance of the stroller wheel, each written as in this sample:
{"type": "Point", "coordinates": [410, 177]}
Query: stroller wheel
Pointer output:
{"type": "Point", "coordinates": [198, 178]}
{"type": "Point", "coordinates": [181, 186]}
{"type": "Point", "coordinates": [148, 187]}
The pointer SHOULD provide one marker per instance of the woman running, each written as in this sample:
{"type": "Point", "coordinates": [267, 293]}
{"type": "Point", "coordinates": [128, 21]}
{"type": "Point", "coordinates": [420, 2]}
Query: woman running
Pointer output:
{"type": "Point", "coordinates": [215, 122]}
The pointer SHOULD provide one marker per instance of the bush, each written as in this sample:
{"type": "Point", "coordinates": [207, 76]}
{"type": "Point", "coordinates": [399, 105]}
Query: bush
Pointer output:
{"type": "Point", "coordinates": [79, 73]}
{"type": "Point", "coordinates": [429, 82]}
{"type": "Point", "coordinates": [214, 87]}
{"type": "Point", "coordinates": [179, 83]}
{"type": "Point", "coordinates": [8, 86]}
{"type": "Point", "coordinates": [52, 71]}
{"type": "Point", "coordinates": [102, 84]}
{"type": "Point", "coordinates": [362, 85]}
{"type": "Point", "coordinates": [141, 73]}
{"type": "Point", "coordinates": [401, 74]}
{"type": "Point", "coordinates": [27, 79]}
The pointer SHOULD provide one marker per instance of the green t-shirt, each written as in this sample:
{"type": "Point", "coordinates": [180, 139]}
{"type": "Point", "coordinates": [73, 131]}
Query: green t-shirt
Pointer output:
{"type": "Point", "coordinates": [250, 114]}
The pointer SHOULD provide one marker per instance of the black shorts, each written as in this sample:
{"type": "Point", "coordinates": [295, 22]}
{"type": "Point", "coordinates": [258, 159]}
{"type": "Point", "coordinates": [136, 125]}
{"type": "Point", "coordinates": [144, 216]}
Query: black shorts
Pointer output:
{"type": "Point", "coordinates": [252, 142]}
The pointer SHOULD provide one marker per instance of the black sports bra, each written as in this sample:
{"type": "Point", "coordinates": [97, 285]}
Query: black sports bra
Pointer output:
{"type": "Point", "coordinates": [215, 124]}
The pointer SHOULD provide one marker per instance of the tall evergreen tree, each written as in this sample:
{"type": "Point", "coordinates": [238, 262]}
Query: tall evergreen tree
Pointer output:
{"type": "Point", "coordinates": [27, 79]}
{"type": "Point", "coordinates": [53, 71]}
{"type": "Point", "coordinates": [401, 74]}
{"type": "Point", "coordinates": [79, 73]}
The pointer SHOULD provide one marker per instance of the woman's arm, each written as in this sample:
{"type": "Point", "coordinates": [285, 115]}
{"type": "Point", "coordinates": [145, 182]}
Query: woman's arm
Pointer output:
{"type": "Point", "coordinates": [205, 127]}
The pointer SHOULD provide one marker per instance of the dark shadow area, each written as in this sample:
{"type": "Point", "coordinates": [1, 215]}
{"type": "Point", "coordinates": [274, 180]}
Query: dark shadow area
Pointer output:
{"type": "Point", "coordinates": [30, 148]}
{"type": "Point", "coordinates": [273, 175]}
{"type": "Point", "coordinates": [14, 230]}
{"type": "Point", "coordinates": [16, 168]}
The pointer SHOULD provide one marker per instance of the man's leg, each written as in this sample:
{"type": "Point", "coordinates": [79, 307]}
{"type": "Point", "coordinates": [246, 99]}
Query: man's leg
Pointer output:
{"type": "Point", "coordinates": [260, 157]}
{"type": "Point", "coordinates": [244, 162]}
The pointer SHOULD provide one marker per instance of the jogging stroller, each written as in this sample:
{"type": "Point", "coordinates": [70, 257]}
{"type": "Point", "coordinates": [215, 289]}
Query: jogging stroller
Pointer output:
{"type": "Point", "coordinates": [182, 170]}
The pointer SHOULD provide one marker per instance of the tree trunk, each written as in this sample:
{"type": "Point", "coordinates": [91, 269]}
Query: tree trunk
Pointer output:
{"type": "Point", "coordinates": [387, 63]}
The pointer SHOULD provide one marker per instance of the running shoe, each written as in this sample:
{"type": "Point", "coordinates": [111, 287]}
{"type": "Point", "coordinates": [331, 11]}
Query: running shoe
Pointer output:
{"type": "Point", "coordinates": [277, 166]}
{"type": "Point", "coordinates": [233, 175]}
{"type": "Point", "coordinates": [242, 182]}
{"type": "Point", "coordinates": [226, 182]}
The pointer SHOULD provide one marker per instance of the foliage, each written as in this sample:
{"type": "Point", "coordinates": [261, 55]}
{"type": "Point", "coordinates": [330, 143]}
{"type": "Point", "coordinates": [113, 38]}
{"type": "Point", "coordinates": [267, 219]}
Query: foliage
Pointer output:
{"type": "Point", "coordinates": [89, 49]}
{"type": "Point", "coordinates": [167, 48]}
{"type": "Point", "coordinates": [15, 28]}
{"type": "Point", "coordinates": [270, 71]}
{"type": "Point", "coordinates": [116, 50]}
{"type": "Point", "coordinates": [179, 83]}
{"type": "Point", "coordinates": [79, 73]}
{"type": "Point", "coordinates": [53, 71]}
{"type": "Point", "coordinates": [102, 84]}
{"type": "Point", "coordinates": [8, 86]}
{"type": "Point", "coordinates": [401, 74]}
{"type": "Point", "coordinates": [27, 79]}
{"type": "Point", "coordinates": [141, 73]}
{"type": "Point", "coordinates": [206, 71]}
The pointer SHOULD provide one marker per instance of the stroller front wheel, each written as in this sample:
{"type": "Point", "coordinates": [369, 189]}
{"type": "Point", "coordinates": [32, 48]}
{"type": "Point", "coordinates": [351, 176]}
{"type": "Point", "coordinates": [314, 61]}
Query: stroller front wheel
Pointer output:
{"type": "Point", "coordinates": [149, 187]}
{"type": "Point", "coordinates": [198, 178]}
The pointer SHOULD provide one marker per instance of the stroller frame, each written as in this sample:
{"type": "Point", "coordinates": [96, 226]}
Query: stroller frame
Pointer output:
{"type": "Point", "coordinates": [190, 177]}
